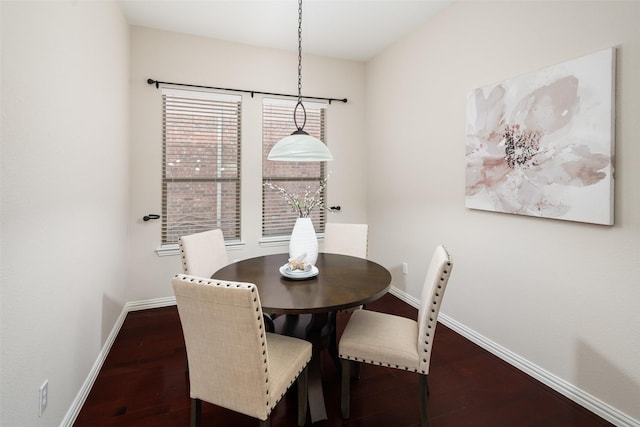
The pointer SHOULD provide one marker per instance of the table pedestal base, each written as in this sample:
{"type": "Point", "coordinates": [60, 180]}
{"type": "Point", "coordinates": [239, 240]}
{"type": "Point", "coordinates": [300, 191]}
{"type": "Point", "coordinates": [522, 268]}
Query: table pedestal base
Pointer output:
{"type": "Point", "coordinates": [309, 327]}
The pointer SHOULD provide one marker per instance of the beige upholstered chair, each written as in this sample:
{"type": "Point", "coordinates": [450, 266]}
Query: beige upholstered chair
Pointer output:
{"type": "Point", "coordinates": [203, 253]}
{"type": "Point", "coordinates": [346, 239]}
{"type": "Point", "coordinates": [233, 362]}
{"type": "Point", "coordinates": [394, 341]}
{"type": "Point", "coordinates": [343, 239]}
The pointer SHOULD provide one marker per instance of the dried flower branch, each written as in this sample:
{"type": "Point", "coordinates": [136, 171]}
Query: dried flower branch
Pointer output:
{"type": "Point", "coordinates": [302, 206]}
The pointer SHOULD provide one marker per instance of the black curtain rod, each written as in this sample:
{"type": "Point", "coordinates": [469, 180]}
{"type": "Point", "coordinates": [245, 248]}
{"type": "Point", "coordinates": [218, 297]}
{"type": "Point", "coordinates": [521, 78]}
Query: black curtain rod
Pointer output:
{"type": "Point", "coordinates": [252, 92]}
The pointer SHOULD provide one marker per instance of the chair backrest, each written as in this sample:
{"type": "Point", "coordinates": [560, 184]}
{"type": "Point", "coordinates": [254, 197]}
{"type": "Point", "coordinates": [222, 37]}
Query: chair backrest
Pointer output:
{"type": "Point", "coordinates": [226, 343]}
{"type": "Point", "coordinates": [346, 239]}
{"type": "Point", "coordinates": [432, 292]}
{"type": "Point", "coordinates": [203, 253]}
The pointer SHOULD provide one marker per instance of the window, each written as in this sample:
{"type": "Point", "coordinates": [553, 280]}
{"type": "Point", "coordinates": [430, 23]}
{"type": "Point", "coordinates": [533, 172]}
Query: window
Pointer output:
{"type": "Point", "coordinates": [296, 177]}
{"type": "Point", "coordinates": [201, 164]}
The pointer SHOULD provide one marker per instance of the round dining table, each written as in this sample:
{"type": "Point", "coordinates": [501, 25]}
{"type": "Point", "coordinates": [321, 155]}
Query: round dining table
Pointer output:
{"type": "Point", "coordinates": [342, 282]}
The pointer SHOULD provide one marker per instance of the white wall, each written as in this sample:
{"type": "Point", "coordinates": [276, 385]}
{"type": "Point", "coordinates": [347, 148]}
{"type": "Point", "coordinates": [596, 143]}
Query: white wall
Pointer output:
{"type": "Point", "coordinates": [180, 58]}
{"type": "Point", "coordinates": [562, 295]}
{"type": "Point", "coordinates": [65, 180]}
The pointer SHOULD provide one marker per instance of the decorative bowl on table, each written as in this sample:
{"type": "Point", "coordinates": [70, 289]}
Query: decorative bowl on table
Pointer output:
{"type": "Point", "coordinates": [297, 274]}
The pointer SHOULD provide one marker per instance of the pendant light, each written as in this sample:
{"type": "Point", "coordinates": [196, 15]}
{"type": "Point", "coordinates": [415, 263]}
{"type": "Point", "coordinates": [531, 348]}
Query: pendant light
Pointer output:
{"type": "Point", "coordinates": [300, 146]}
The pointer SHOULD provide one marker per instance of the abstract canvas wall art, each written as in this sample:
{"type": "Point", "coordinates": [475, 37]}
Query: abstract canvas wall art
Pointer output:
{"type": "Point", "coordinates": [542, 144]}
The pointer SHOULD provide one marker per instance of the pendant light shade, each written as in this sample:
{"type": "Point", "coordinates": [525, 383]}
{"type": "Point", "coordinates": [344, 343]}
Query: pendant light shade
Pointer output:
{"type": "Point", "coordinates": [300, 146]}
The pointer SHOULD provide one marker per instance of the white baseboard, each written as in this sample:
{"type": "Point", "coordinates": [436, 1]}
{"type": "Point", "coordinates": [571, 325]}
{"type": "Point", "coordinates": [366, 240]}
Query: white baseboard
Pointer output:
{"type": "Point", "coordinates": [563, 387]}
{"type": "Point", "coordinates": [150, 303]}
{"type": "Point", "coordinates": [81, 397]}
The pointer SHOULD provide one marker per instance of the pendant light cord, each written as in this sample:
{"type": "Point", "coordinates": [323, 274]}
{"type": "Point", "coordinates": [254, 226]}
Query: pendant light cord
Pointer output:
{"type": "Point", "coordinates": [299, 104]}
{"type": "Point", "coordinates": [299, 50]}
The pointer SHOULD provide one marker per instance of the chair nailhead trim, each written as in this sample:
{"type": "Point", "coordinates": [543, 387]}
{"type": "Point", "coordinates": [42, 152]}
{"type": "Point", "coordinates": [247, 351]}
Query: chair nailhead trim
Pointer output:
{"type": "Point", "coordinates": [375, 362]}
{"type": "Point", "coordinates": [252, 288]}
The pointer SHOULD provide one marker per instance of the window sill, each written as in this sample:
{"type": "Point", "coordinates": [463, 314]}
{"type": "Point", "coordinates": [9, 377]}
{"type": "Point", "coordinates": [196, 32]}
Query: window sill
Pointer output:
{"type": "Point", "coordinates": [268, 242]}
{"type": "Point", "coordinates": [172, 250]}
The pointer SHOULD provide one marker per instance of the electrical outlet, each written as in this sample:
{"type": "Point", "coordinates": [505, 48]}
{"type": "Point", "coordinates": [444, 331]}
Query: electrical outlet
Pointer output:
{"type": "Point", "coordinates": [405, 268]}
{"type": "Point", "coordinates": [44, 397]}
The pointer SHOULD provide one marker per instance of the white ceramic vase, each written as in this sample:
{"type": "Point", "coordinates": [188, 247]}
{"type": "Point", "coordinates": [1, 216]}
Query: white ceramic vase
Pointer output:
{"type": "Point", "coordinates": [304, 240]}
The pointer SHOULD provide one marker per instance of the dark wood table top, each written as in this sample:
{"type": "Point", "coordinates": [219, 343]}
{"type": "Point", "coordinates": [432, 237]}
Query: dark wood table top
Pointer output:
{"type": "Point", "coordinates": [343, 282]}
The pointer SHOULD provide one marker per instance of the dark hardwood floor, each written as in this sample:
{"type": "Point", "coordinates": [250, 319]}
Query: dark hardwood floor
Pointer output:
{"type": "Point", "coordinates": [143, 383]}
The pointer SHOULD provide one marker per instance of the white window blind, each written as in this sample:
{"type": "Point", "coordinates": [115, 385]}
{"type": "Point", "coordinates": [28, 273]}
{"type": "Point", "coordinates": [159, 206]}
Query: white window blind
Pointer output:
{"type": "Point", "coordinates": [201, 164]}
{"type": "Point", "coordinates": [278, 217]}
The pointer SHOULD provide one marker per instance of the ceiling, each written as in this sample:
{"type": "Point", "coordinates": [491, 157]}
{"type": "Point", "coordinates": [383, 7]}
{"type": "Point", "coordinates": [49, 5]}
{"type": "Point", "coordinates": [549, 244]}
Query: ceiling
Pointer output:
{"type": "Point", "coordinates": [345, 29]}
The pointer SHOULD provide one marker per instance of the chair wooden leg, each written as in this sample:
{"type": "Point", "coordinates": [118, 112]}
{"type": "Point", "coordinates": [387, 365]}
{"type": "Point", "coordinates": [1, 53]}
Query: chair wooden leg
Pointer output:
{"type": "Point", "coordinates": [427, 384]}
{"type": "Point", "coordinates": [303, 386]}
{"type": "Point", "coordinates": [265, 423]}
{"type": "Point", "coordinates": [269, 326]}
{"type": "Point", "coordinates": [196, 412]}
{"type": "Point", "coordinates": [346, 385]}
{"type": "Point", "coordinates": [424, 393]}
{"type": "Point", "coordinates": [333, 339]}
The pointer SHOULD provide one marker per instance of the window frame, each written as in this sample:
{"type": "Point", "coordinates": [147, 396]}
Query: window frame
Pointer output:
{"type": "Point", "coordinates": [226, 111]}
